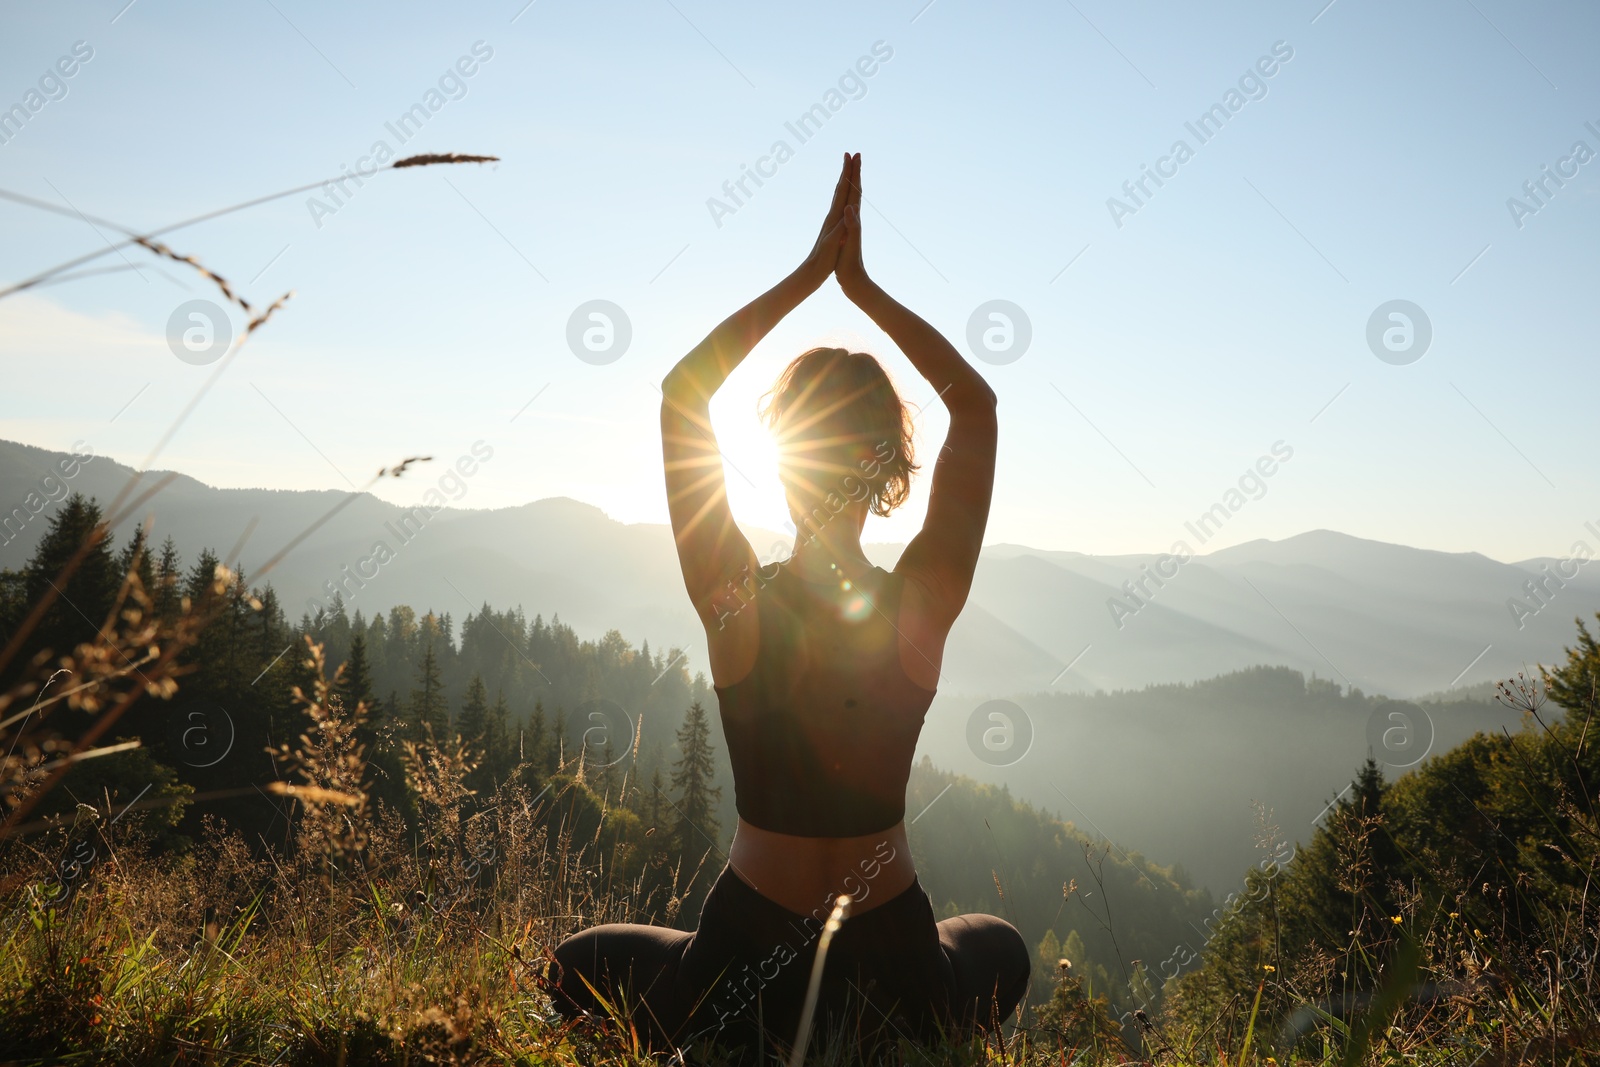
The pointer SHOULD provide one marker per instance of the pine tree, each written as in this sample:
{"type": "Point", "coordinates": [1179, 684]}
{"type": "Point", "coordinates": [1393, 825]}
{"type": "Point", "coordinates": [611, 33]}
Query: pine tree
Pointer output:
{"type": "Point", "coordinates": [135, 555]}
{"type": "Point", "coordinates": [169, 573]}
{"type": "Point", "coordinates": [270, 631]}
{"type": "Point", "coordinates": [1072, 948]}
{"type": "Point", "coordinates": [356, 689]}
{"type": "Point", "coordinates": [1575, 684]}
{"type": "Point", "coordinates": [534, 751]}
{"type": "Point", "coordinates": [357, 684]}
{"type": "Point", "coordinates": [400, 640]}
{"type": "Point", "coordinates": [474, 718]}
{"type": "Point", "coordinates": [382, 732]}
{"type": "Point", "coordinates": [198, 585]}
{"type": "Point", "coordinates": [334, 634]}
{"type": "Point", "coordinates": [83, 603]}
{"type": "Point", "coordinates": [1048, 953]}
{"type": "Point", "coordinates": [1093, 978]}
{"type": "Point", "coordinates": [697, 826]}
{"type": "Point", "coordinates": [1076, 1018]}
{"type": "Point", "coordinates": [429, 709]}
{"type": "Point", "coordinates": [13, 607]}
{"type": "Point", "coordinates": [607, 778]}
{"type": "Point", "coordinates": [497, 738]}
{"type": "Point", "coordinates": [473, 727]}
{"type": "Point", "coordinates": [377, 652]}
{"type": "Point", "coordinates": [656, 787]}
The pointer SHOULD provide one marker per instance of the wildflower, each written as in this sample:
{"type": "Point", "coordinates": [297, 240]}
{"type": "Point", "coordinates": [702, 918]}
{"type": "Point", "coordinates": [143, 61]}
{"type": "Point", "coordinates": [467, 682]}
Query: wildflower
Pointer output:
{"type": "Point", "coordinates": [1269, 968]}
{"type": "Point", "coordinates": [1395, 919]}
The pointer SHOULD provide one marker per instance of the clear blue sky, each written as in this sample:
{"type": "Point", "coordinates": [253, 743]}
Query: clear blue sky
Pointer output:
{"type": "Point", "coordinates": [1221, 317]}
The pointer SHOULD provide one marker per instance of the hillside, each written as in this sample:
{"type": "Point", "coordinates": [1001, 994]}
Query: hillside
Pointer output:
{"type": "Point", "coordinates": [1178, 771]}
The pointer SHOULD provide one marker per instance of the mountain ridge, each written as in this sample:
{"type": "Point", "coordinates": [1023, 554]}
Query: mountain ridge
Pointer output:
{"type": "Point", "coordinates": [1382, 617]}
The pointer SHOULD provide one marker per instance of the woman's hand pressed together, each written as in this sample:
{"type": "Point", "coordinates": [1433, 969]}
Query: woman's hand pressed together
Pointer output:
{"type": "Point", "coordinates": [822, 259]}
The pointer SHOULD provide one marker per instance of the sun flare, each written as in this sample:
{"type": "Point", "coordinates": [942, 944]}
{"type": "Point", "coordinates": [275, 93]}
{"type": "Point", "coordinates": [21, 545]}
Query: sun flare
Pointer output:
{"type": "Point", "coordinates": [750, 467]}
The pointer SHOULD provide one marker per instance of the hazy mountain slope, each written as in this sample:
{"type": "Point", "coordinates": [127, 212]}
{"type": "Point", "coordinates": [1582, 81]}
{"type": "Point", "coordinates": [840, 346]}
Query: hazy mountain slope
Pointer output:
{"type": "Point", "coordinates": [1176, 771]}
{"type": "Point", "coordinates": [1386, 618]}
{"type": "Point", "coordinates": [1065, 613]}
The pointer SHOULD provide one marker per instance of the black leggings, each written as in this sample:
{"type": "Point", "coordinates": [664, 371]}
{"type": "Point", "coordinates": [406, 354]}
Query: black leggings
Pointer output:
{"type": "Point", "coordinates": [741, 978]}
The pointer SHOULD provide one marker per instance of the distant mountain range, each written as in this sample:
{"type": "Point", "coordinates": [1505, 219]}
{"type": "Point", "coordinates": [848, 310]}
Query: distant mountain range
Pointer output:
{"type": "Point", "coordinates": [1385, 618]}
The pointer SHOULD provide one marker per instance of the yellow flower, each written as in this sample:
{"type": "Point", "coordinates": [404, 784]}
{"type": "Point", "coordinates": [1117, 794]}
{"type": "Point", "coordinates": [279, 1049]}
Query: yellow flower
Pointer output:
{"type": "Point", "coordinates": [1269, 968]}
{"type": "Point", "coordinates": [1395, 919]}
{"type": "Point", "coordinates": [1455, 915]}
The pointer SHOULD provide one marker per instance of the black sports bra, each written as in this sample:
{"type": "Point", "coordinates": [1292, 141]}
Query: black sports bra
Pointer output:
{"type": "Point", "coordinates": [822, 731]}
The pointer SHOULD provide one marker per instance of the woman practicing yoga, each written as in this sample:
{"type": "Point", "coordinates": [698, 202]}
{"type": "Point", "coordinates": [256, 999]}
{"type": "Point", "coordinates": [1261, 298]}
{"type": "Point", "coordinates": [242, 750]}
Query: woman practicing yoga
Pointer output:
{"type": "Point", "coordinates": [824, 667]}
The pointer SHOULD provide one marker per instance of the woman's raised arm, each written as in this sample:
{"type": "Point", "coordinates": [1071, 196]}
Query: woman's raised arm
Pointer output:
{"type": "Point", "coordinates": [711, 550]}
{"type": "Point", "coordinates": [944, 554]}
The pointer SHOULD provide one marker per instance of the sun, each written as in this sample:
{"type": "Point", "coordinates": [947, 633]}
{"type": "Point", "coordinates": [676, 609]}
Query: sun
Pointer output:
{"type": "Point", "coordinates": [750, 466]}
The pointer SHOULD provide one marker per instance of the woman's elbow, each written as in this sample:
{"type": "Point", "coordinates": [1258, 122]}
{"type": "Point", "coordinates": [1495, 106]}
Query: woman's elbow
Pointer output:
{"type": "Point", "coordinates": [979, 399]}
{"type": "Point", "coordinates": [974, 392]}
{"type": "Point", "coordinates": [678, 388]}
